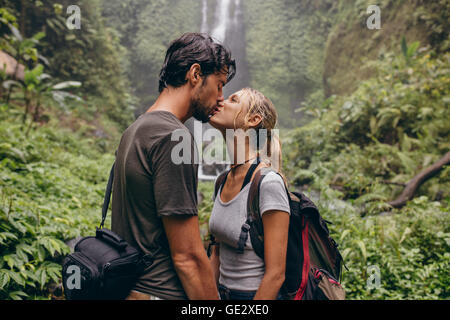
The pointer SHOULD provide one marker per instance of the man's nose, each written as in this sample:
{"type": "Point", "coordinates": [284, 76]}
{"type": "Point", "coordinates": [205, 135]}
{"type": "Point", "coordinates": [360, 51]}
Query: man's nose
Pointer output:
{"type": "Point", "coordinates": [220, 101]}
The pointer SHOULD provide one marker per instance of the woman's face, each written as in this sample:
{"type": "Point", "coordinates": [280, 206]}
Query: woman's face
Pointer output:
{"type": "Point", "coordinates": [235, 107]}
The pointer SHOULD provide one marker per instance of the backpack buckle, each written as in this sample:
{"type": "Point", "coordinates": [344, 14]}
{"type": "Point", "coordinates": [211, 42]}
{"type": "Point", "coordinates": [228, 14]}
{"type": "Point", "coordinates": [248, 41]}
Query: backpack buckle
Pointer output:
{"type": "Point", "coordinates": [243, 237]}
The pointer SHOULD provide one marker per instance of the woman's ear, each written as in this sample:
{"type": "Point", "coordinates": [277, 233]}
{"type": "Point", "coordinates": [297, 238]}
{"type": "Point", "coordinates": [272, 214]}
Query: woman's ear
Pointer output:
{"type": "Point", "coordinates": [254, 120]}
{"type": "Point", "coordinates": [194, 75]}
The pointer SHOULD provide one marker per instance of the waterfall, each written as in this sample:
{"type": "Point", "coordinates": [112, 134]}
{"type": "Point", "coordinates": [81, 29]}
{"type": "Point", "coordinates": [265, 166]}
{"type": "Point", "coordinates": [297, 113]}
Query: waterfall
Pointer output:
{"type": "Point", "coordinates": [237, 11]}
{"type": "Point", "coordinates": [204, 27]}
{"type": "Point", "coordinates": [223, 17]}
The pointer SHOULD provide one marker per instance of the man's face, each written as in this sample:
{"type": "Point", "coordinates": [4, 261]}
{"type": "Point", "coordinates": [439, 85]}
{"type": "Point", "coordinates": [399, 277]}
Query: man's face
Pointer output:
{"type": "Point", "coordinates": [208, 95]}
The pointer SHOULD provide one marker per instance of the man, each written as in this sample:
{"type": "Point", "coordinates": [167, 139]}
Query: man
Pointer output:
{"type": "Point", "coordinates": [154, 205]}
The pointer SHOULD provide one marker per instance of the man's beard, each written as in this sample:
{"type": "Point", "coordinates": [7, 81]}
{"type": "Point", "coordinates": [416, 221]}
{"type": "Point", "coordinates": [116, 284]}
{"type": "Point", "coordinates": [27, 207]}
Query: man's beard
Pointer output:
{"type": "Point", "coordinates": [201, 112]}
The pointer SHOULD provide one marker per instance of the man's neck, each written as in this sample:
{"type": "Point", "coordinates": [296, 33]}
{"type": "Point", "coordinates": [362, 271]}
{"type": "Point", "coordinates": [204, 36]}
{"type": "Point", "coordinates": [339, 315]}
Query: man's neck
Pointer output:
{"type": "Point", "coordinates": [175, 101]}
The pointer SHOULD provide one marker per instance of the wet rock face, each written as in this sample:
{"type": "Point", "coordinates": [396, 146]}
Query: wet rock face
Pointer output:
{"type": "Point", "coordinates": [12, 69]}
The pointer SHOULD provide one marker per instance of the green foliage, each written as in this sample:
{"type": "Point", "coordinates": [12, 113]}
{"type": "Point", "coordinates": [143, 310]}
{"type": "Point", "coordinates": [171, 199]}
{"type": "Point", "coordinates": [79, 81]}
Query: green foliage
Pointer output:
{"type": "Point", "coordinates": [362, 148]}
{"type": "Point", "coordinates": [285, 50]}
{"type": "Point", "coordinates": [390, 128]}
{"type": "Point", "coordinates": [355, 153]}
{"type": "Point", "coordinates": [35, 85]}
{"type": "Point", "coordinates": [410, 248]}
{"type": "Point", "coordinates": [91, 55]}
{"type": "Point", "coordinates": [408, 52]}
{"type": "Point", "coordinates": [350, 44]}
{"type": "Point", "coordinates": [51, 191]}
{"type": "Point", "coordinates": [206, 189]}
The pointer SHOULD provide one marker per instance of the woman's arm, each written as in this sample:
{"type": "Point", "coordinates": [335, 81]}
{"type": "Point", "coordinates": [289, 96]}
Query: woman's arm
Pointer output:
{"type": "Point", "coordinates": [276, 227]}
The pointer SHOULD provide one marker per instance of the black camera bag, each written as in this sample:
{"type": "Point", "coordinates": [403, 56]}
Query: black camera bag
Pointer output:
{"type": "Point", "coordinates": [103, 266]}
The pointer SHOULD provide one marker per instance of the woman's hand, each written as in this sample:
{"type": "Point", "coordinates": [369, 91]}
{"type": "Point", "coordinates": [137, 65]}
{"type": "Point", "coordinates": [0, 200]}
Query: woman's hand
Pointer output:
{"type": "Point", "coordinates": [276, 227]}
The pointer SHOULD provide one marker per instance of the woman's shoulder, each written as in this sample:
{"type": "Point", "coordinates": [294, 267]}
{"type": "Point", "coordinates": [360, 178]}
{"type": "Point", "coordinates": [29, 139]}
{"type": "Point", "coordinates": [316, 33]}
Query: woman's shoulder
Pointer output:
{"type": "Point", "coordinates": [272, 177]}
{"type": "Point", "coordinates": [273, 195]}
{"type": "Point", "coordinates": [273, 182]}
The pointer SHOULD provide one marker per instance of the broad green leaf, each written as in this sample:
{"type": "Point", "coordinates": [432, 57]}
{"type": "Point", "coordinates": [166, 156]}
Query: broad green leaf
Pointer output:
{"type": "Point", "coordinates": [70, 37]}
{"type": "Point", "coordinates": [344, 234]}
{"type": "Point", "coordinates": [11, 83]}
{"type": "Point", "coordinates": [413, 48]}
{"type": "Point", "coordinates": [38, 36]}
{"type": "Point", "coordinates": [407, 162]}
{"type": "Point", "coordinates": [16, 277]}
{"type": "Point", "coordinates": [346, 253]}
{"type": "Point", "coordinates": [404, 47]}
{"type": "Point", "coordinates": [42, 276]}
{"type": "Point", "coordinates": [66, 84]}
{"type": "Point", "coordinates": [16, 32]}
{"type": "Point", "coordinates": [18, 295]}
{"type": "Point", "coordinates": [362, 247]}
{"type": "Point", "coordinates": [4, 279]}
{"type": "Point", "coordinates": [41, 253]}
{"type": "Point", "coordinates": [10, 260]}
{"type": "Point", "coordinates": [373, 125]}
{"type": "Point", "coordinates": [55, 245]}
{"type": "Point", "coordinates": [405, 234]}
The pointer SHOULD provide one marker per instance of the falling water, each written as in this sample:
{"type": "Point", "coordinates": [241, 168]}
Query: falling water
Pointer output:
{"type": "Point", "coordinates": [237, 12]}
{"type": "Point", "coordinates": [204, 27]}
{"type": "Point", "coordinates": [223, 18]}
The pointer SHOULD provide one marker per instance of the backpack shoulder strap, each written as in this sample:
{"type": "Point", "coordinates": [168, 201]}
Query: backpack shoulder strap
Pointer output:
{"type": "Point", "coordinates": [254, 220]}
{"type": "Point", "coordinates": [253, 194]}
{"type": "Point", "coordinates": [220, 181]}
{"type": "Point", "coordinates": [251, 170]}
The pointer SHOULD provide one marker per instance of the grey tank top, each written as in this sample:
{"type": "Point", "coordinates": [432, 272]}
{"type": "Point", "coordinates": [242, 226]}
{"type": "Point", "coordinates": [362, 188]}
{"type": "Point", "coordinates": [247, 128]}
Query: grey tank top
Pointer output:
{"type": "Point", "coordinates": [243, 271]}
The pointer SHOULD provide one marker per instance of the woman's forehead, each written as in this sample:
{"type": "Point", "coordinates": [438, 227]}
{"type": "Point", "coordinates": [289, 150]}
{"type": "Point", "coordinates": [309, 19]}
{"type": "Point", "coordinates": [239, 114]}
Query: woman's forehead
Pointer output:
{"type": "Point", "coordinates": [240, 94]}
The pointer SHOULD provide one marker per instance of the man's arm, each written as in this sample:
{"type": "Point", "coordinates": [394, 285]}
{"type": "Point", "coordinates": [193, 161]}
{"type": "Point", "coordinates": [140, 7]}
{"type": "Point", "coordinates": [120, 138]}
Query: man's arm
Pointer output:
{"type": "Point", "coordinates": [189, 257]}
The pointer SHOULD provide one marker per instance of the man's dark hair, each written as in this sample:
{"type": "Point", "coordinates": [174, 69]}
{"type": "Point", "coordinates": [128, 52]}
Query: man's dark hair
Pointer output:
{"type": "Point", "coordinates": [193, 48]}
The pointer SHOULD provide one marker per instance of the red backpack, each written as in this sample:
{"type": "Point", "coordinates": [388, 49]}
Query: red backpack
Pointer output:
{"type": "Point", "coordinates": [313, 262]}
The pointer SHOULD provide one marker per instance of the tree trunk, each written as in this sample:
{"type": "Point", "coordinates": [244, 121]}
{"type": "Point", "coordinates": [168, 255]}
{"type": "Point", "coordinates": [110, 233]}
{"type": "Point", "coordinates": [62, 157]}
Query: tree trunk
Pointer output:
{"type": "Point", "coordinates": [418, 180]}
{"type": "Point", "coordinates": [23, 9]}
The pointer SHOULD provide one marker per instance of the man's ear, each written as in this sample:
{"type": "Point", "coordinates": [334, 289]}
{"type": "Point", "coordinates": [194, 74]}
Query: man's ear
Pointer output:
{"type": "Point", "coordinates": [194, 75]}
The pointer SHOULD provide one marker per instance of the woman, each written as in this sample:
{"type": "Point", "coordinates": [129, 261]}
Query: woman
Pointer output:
{"type": "Point", "coordinates": [245, 275]}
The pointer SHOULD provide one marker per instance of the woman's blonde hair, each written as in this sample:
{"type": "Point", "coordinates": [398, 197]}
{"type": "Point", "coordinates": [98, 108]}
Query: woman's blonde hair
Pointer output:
{"type": "Point", "coordinates": [261, 105]}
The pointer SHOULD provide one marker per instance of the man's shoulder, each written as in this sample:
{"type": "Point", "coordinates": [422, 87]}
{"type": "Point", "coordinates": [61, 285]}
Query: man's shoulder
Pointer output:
{"type": "Point", "coordinates": [157, 125]}
{"type": "Point", "coordinates": [160, 120]}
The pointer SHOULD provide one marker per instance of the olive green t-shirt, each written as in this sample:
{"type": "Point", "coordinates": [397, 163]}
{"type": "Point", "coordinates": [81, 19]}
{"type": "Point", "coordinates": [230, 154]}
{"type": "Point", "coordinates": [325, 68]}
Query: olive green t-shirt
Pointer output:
{"type": "Point", "coordinates": [148, 184]}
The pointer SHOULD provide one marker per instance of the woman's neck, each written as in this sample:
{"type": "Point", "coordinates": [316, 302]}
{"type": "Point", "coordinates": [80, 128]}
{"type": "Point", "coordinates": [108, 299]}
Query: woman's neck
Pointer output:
{"type": "Point", "coordinates": [239, 152]}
